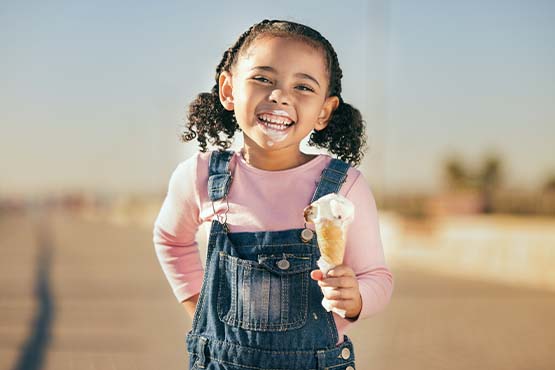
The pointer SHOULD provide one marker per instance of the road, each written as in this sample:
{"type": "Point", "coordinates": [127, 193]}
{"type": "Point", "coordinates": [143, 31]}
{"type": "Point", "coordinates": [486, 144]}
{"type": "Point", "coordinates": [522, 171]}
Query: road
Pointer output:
{"type": "Point", "coordinates": [78, 294]}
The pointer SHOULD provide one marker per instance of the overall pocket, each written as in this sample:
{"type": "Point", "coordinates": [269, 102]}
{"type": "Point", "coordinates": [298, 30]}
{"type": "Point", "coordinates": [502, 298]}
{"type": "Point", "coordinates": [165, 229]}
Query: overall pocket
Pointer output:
{"type": "Point", "coordinates": [270, 294]}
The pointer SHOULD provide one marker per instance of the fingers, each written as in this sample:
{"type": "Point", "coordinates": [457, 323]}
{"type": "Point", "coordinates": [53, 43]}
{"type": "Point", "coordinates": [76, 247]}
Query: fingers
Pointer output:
{"type": "Point", "coordinates": [339, 277]}
{"type": "Point", "coordinates": [339, 294]}
{"type": "Point", "coordinates": [341, 270]}
{"type": "Point", "coordinates": [340, 282]}
{"type": "Point", "coordinates": [336, 272]}
{"type": "Point", "coordinates": [340, 288]}
{"type": "Point", "coordinates": [344, 304]}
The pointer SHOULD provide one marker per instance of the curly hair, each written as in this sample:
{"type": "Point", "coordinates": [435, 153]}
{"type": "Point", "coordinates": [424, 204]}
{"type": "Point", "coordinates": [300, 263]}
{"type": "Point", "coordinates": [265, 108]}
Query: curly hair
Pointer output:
{"type": "Point", "coordinates": [210, 122]}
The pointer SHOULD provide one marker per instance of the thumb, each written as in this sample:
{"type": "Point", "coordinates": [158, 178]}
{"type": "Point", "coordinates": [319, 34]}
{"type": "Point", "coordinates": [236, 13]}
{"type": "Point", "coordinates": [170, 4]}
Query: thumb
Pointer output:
{"type": "Point", "coordinates": [316, 275]}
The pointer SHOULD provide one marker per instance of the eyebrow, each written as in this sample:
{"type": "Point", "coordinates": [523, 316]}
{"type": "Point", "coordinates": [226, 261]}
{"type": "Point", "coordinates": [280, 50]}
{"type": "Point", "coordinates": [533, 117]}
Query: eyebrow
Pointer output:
{"type": "Point", "coordinates": [300, 74]}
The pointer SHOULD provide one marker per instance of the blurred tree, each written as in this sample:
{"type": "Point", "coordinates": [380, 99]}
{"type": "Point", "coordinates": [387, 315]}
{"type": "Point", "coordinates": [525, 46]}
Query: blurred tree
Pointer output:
{"type": "Point", "coordinates": [488, 179]}
{"type": "Point", "coordinates": [547, 196]}
{"type": "Point", "coordinates": [490, 175]}
{"type": "Point", "coordinates": [455, 174]}
{"type": "Point", "coordinates": [484, 182]}
{"type": "Point", "coordinates": [549, 185]}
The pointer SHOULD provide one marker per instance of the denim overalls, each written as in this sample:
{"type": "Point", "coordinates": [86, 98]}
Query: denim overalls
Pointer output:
{"type": "Point", "coordinates": [258, 307]}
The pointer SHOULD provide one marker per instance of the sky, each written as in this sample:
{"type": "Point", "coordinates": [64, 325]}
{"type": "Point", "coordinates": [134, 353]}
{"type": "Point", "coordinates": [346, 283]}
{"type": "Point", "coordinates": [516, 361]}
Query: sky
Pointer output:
{"type": "Point", "coordinates": [93, 93]}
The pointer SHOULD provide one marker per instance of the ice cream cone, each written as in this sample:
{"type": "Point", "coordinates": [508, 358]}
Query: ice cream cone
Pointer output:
{"type": "Point", "coordinates": [331, 241]}
{"type": "Point", "coordinates": [330, 215]}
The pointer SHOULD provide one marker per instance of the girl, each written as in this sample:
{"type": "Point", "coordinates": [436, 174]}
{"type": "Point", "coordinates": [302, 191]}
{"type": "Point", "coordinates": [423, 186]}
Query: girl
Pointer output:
{"type": "Point", "coordinates": [260, 297]}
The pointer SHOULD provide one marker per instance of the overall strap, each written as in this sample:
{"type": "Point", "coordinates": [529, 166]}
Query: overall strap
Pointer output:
{"type": "Point", "coordinates": [219, 176]}
{"type": "Point", "coordinates": [332, 178]}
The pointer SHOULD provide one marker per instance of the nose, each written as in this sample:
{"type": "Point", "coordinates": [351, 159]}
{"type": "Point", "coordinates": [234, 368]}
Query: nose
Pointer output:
{"type": "Point", "coordinates": [277, 96]}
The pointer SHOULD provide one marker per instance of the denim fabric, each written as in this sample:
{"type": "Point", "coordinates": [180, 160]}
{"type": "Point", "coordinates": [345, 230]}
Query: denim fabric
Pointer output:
{"type": "Point", "coordinates": [258, 307]}
{"type": "Point", "coordinates": [332, 178]}
{"type": "Point", "coordinates": [219, 176]}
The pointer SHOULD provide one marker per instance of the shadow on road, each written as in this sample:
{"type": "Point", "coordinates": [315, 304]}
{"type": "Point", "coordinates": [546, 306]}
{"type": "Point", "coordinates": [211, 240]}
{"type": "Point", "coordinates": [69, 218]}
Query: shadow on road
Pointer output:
{"type": "Point", "coordinates": [34, 349]}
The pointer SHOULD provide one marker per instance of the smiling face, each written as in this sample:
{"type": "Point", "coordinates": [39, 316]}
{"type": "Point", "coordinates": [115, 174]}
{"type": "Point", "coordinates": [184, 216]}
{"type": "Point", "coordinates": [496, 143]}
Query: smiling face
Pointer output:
{"type": "Point", "coordinates": [277, 89]}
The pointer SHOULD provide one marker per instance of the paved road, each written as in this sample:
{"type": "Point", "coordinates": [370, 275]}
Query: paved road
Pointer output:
{"type": "Point", "coordinates": [90, 295]}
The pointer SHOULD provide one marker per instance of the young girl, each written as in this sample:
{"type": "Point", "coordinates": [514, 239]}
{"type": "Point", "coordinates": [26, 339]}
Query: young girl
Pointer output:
{"type": "Point", "coordinates": [260, 297]}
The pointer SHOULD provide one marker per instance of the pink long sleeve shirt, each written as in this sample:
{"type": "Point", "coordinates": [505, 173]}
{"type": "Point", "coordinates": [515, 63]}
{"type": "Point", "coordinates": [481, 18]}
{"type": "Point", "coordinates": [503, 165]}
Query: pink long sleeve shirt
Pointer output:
{"type": "Point", "coordinates": [262, 200]}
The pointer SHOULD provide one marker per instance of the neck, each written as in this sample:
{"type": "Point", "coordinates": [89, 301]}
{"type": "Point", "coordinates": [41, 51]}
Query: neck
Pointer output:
{"type": "Point", "coordinates": [274, 160]}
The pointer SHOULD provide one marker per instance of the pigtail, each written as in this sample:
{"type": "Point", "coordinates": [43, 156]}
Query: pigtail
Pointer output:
{"type": "Point", "coordinates": [344, 135]}
{"type": "Point", "coordinates": [210, 122]}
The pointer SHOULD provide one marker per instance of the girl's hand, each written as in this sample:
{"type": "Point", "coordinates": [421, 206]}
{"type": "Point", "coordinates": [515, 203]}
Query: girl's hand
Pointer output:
{"type": "Point", "coordinates": [190, 305]}
{"type": "Point", "coordinates": [341, 289]}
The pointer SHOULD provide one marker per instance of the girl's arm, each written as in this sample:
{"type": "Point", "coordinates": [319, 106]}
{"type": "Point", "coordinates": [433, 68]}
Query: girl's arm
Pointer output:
{"type": "Point", "coordinates": [174, 234]}
{"type": "Point", "coordinates": [363, 284]}
{"type": "Point", "coordinates": [364, 253]}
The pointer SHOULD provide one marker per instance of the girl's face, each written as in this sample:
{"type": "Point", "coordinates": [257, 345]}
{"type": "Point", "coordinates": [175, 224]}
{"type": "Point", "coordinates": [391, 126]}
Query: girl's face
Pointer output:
{"type": "Point", "coordinates": [277, 89]}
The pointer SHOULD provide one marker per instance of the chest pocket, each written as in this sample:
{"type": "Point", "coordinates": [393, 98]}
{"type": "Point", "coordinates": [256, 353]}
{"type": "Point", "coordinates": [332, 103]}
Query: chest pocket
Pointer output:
{"type": "Point", "coordinates": [270, 294]}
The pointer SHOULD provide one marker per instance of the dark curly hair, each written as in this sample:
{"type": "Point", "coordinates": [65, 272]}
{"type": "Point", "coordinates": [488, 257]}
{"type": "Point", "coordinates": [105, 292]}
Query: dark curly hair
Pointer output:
{"type": "Point", "coordinates": [209, 121]}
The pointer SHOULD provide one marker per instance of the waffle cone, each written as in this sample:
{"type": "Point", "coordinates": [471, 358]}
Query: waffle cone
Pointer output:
{"type": "Point", "coordinates": [331, 241]}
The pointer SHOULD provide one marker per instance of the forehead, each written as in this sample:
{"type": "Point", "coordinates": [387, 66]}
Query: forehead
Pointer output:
{"type": "Point", "coordinates": [284, 54]}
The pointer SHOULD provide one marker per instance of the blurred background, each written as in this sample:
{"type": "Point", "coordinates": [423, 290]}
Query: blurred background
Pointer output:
{"type": "Point", "coordinates": [458, 98]}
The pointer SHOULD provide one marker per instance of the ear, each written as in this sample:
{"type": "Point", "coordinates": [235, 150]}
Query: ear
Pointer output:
{"type": "Point", "coordinates": [226, 90]}
{"type": "Point", "coordinates": [329, 106]}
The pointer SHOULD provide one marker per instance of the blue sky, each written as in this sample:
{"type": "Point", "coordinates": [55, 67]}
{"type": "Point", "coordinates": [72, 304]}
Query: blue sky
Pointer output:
{"type": "Point", "coordinates": [473, 77]}
{"type": "Point", "coordinates": [93, 93]}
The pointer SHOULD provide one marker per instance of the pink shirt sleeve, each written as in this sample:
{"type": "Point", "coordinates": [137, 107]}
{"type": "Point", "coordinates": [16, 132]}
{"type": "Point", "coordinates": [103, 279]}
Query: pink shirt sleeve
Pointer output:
{"type": "Point", "coordinates": [175, 231]}
{"type": "Point", "coordinates": [364, 252]}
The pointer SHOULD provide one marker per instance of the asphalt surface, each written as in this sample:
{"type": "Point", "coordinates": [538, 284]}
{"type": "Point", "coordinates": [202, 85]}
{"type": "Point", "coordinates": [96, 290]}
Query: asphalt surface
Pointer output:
{"type": "Point", "coordinates": [78, 294]}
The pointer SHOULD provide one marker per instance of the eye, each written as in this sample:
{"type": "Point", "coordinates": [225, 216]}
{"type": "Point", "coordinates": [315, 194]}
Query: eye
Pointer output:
{"type": "Point", "coordinates": [305, 88]}
{"type": "Point", "coordinates": [261, 79]}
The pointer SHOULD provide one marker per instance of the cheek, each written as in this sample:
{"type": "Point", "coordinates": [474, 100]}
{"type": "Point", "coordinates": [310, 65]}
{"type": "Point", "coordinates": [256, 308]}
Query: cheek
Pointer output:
{"type": "Point", "coordinates": [313, 111]}
{"type": "Point", "coordinates": [246, 95]}
{"type": "Point", "coordinates": [241, 105]}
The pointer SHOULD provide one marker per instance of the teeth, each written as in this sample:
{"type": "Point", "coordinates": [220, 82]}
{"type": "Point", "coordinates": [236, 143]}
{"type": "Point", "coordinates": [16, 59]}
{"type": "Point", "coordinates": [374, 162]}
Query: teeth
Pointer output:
{"type": "Point", "coordinates": [275, 126]}
{"type": "Point", "coordinates": [274, 119]}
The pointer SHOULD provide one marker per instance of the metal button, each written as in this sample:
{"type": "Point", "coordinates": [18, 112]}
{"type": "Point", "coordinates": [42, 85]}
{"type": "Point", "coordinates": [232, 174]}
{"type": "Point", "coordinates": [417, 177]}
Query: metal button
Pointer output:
{"type": "Point", "coordinates": [307, 235]}
{"type": "Point", "coordinates": [283, 264]}
{"type": "Point", "coordinates": [345, 353]}
{"type": "Point", "coordinates": [350, 368]}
